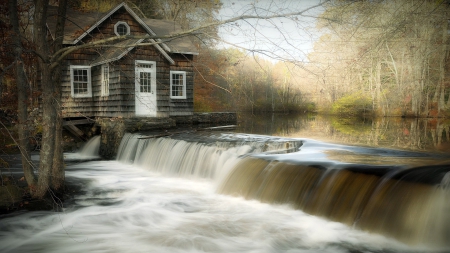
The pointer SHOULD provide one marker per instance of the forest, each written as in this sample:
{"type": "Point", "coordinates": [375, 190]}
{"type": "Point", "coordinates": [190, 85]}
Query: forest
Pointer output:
{"type": "Point", "coordinates": [373, 58]}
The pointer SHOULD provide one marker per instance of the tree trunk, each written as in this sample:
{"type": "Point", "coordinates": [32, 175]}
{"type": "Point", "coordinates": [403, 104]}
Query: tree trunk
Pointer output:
{"type": "Point", "coordinates": [442, 60]}
{"type": "Point", "coordinates": [448, 102]}
{"type": "Point", "coordinates": [48, 132]}
{"type": "Point", "coordinates": [24, 143]}
{"type": "Point", "coordinates": [58, 170]}
{"type": "Point", "coordinates": [2, 75]}
{"type": "Point", "coordinates": [378, 87]}
{"type": "Point", "coordinates": [48, 105]}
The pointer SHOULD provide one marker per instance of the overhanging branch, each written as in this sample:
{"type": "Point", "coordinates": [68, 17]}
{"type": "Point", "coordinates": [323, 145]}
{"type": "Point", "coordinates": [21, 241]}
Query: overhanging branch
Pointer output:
{"type": "Point", "coordinates": [58, 56]}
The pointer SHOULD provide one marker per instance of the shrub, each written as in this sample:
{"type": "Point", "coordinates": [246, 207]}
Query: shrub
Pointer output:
{"type": "Point", "coordinates": [354, 105]}
{"type": "Point", "coordinates": [311, 107]}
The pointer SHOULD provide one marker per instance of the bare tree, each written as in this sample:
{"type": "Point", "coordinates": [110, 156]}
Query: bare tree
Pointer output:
{"type": "Point", "coordinates": [22, 92]}
{"type": "Point", "coordinates": [396, 51]}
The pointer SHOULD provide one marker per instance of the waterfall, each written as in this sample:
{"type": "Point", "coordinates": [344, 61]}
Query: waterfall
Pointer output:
{"type": "Point", "coordinates": [405, 207]}
{"type": "Point", "coordinates": [208, 158]}
{"type": "Point", "coordinates": [91, 148]}
{"type": "Point", "coordinates": [409, 204]}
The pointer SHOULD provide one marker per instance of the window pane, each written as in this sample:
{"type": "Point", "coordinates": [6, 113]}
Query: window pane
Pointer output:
{"type": "Point", "coordinates": [177, 84]}
{"type": "Point", "coordinates": [105, 83]}
{"type": "Point", "coordinates": [122, 29]}
{"type": "Point", "coordinates": [80, 81]}
{"type": "Point", "coordinates": [84, 75]}
{"type": "Point", "coordinates": [80, 88]}
{"type": "Point", "coordinates": [76, 75]}
{"type": "Point", "coordinates": [144, 65]}
{"type": "Point", "coordinates": [145, 81]}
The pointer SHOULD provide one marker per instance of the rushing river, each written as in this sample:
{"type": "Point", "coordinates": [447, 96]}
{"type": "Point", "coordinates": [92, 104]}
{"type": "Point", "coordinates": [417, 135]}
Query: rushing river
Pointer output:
{"type": "Point", "coordinates": [227, 192]}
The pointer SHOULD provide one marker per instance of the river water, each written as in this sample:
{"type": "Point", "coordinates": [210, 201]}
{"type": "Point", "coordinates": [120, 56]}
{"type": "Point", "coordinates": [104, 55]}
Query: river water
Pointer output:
{"type": "Point", "coordinates": [261, 188]}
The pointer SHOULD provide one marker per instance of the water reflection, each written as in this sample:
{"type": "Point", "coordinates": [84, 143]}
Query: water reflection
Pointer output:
{"type": "Point", "coordinates": [430, 135]}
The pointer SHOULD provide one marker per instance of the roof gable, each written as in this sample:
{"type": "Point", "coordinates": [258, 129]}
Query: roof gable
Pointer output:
{"type": "Point", "coordinates": [79, 25]}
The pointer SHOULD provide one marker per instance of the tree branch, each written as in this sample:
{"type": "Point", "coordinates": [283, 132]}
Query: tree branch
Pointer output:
{"type": "Point", "coordinates": [62, 53]}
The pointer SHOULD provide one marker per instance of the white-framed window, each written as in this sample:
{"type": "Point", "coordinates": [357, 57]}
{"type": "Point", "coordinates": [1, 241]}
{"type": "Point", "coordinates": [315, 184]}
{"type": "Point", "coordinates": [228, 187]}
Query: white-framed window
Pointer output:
{"type": "Point", "coordinates": [178, 84]}
{"type": "Point", "coordinates": [105, 80]}
{"type": "Point", "coordinates": [80, 81]}
{"type": "Point", "coordinates": [121, 28]}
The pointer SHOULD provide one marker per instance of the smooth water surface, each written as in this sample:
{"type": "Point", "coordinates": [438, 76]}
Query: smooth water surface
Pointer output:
{"type": "Point", "coordinates": [426, 134]}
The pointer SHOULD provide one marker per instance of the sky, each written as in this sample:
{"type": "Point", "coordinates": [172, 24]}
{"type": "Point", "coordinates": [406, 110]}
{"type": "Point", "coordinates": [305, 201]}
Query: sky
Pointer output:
{"type": "Point", "coordinates": [276, 39]}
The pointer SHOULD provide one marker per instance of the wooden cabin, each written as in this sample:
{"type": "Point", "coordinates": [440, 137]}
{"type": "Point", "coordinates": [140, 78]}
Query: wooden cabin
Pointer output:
{"type": "Point", "coordinates": [122, 79]}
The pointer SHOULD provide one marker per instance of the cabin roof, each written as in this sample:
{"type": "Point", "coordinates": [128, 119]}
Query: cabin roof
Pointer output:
{"type": "Point", "coordinates": [79, 24]}
{"type": "Point", "coordinates": [116, 51]}
{"type": "Point", "coordinates": [181, 45]}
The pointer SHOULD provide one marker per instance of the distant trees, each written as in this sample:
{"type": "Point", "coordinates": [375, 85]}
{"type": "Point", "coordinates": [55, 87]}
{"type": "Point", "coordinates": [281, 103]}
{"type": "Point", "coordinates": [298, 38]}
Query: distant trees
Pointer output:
{"type": "Point", "coordinates": [396, 52]}
{"type": "Point", "coordinates": [386, 57]}
{"type": "Point", "coordinates": [232, 79]}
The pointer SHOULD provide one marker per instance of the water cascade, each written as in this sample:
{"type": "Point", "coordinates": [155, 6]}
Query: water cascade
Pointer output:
{"type": "Point", "coordinates": [89, 151]}
{"type": "Point", "coordinates": [91, 148]}
{"type": "Point", "coordinates": [242, 193]}
{"type": "Point", "coordinates": [415, 212]}
{"type": "Point", "coordinates": [206, 157]}
{"type": "Point", "coordinates": [411, 205]}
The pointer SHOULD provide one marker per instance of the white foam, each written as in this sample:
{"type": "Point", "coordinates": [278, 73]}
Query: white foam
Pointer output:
{"type": "Point", "coordinates": [129, 209]}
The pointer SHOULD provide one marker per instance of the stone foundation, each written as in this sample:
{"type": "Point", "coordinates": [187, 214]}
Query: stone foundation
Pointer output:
{"type": "Point", "coordinates": [112, 131]}
{"type": "Point", "coordinates": [214, 118]}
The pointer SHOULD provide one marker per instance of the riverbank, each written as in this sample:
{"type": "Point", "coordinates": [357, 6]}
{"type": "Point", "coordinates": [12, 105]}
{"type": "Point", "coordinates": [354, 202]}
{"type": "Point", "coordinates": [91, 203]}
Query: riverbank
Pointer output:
{"type": "Point", "coordinates": [14, 191]}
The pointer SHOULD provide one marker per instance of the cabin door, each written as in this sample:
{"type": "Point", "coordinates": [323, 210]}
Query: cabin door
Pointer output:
{"type": "Point", "coordinates": [145, 88]}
